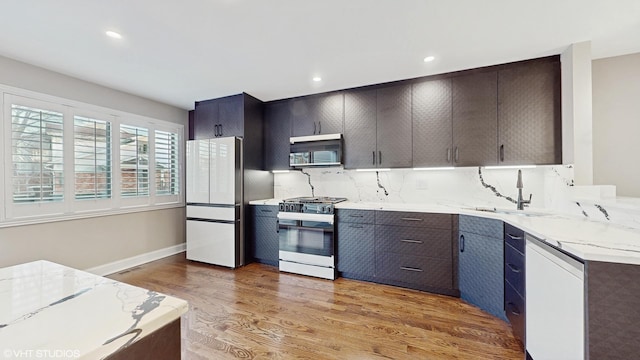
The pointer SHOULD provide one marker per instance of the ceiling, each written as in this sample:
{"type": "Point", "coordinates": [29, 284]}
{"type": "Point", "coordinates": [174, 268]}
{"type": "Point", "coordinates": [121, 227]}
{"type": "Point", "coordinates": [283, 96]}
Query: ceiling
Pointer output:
{"type": "Point", "coordinates": [178, 52]}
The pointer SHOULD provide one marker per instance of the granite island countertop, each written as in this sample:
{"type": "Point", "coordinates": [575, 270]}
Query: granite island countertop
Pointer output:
{"type": "Point", "coordinates": [586, 239]}
{"type": "Point", "coordinates": [49, 310]}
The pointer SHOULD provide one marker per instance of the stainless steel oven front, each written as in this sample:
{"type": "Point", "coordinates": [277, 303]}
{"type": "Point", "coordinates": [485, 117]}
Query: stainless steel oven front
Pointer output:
{"type": "Point", "coordinates": [307, 244]}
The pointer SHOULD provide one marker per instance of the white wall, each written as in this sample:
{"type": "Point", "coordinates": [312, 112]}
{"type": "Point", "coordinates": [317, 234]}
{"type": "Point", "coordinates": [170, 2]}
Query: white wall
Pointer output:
{"type": "Point", "coordinates": [87, 243]}
{"type": "Point", "coordinates": [616, 123]}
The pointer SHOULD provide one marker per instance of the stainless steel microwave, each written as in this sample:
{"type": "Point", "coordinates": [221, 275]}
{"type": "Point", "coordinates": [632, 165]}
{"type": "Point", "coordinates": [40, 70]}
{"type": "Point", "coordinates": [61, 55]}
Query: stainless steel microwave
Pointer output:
{"type": "Point", "coordinates": [316, 150]}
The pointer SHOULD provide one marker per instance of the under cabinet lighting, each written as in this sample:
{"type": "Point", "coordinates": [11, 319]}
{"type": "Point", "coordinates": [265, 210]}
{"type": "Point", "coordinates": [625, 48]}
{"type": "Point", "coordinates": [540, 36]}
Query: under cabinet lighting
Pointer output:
{"type": "Point", "coordinates": [429, 58]}
{"type": "Point", "coordinates": [507, 167]}
{"type": "Point", "coordinates": [113, 34]}
{"type": "Point", "coordinates": [317, 78]}
{"type": "Point", "coordinates": [279, 171]}
{"type": "Point", "coordinates": [371, 170]}
{"type": "Point", "coordinates": [434, 168]}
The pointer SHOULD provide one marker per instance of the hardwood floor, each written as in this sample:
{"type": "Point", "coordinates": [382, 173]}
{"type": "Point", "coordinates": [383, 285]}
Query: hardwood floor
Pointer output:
{"type": "Point", "coordinates": [256, 312]}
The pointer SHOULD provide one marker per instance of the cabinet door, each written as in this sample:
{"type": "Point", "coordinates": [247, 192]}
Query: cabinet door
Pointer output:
{"type": "Point", "coordinates": [329, 112]}
{"type": "Point", "coordinates": [475, 124]}
{"type": "Point", "coordinates": [431, 113]}
{"type": "Point", "coordinates": [205, 117]}
{"type": "Point", "coordinates": [394, 126]}
{"type": "Point", "coordinates": [303, 121]}
{"type": "Point", "coordinates": [222, 171]}
{"type": "Point", "coordinates": [277, 127]}
{"type": "Point", "coordinates": [197, 171]}
{"type": "Point", "coordinates": [360, 129]}
{"type": "Point", "coordinates": [480, 273]}
{"type": "Point", "coordinates": [529, 118]}
{"type": "Point", "coordinates": [264, 235]}
{"type": "Point", "coordinates": [356, 250]}
{"type": "Point", "coordinates": [231, 116]}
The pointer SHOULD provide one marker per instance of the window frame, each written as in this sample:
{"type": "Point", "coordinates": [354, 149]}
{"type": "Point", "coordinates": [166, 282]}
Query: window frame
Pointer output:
{"type": "Point", "coordinates": [12, 214]}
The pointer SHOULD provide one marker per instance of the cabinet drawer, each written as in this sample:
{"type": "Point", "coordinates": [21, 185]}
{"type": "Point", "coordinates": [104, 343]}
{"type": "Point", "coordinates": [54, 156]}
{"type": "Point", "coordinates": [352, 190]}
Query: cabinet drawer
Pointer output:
{"type": "Point", "coordinates": [514, 268]}
{"type": "Point", "coordinates": [355, 216]}
{"type": "Point", "coordinates": [414, 219]}
{"type": "Point", "coordinates": [416, 241]}
{"type": "Point", "coordinates": [481, 226]}
{"type": "Point", "coordinates": [415, 270]}
{"type": "Point", "coordinates": [514, 308]}
{"type": "Point", "coordinates": [514, 237]}
{"type": "Point", "coordinates": [265, 210]}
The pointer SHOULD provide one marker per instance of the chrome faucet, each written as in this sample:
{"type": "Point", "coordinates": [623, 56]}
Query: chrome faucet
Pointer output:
{"type": "Point", "coordinates": [521, 203]}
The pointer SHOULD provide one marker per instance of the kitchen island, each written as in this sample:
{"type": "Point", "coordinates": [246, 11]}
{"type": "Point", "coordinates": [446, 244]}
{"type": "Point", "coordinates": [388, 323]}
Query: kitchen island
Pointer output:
{"type": "Point", "coordinates": [49, 310]}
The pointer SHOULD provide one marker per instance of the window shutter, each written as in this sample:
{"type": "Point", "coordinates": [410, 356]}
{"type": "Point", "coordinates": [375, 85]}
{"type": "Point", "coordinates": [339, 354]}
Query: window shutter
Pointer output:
{"type": "Point", "coordinates": [92, 157]}
{"type": "Point", "coordinates": [134, 161]}
{"type": "Point", "coordinates": [166, 167]}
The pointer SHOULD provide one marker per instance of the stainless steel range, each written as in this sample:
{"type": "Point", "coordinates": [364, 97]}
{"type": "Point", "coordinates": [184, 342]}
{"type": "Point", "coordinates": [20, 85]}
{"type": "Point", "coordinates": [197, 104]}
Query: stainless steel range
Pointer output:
{"type": "Point", "coordinates": [306, 227]}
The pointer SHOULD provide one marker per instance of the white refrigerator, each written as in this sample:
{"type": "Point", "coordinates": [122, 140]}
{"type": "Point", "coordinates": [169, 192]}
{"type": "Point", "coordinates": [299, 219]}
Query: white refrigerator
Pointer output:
{"type": "Point", "coordinates": [214, 201]}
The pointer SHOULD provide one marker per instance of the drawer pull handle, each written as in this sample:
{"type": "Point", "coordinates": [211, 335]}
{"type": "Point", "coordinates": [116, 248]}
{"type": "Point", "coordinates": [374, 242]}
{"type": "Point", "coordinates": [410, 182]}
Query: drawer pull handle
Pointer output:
{"type": "Point", "coordinates": [514, 308]}
{"type": "Point", "coordinates": [411, 219]}
{"type": "Point", "coordinates": [356, 226]}
{"type": "Point", "coordinates": [513, 237]}
{"type": "Point", "coordinates": [358, 216]}
{"type": "Point", "coordinates": [263, 210]}
{"type": "Point", "coordinates": [411, 241]}
{"type": "Point", "coordinates": [410, 269]}
{"type": "Point", "coordinates": [513, 268]}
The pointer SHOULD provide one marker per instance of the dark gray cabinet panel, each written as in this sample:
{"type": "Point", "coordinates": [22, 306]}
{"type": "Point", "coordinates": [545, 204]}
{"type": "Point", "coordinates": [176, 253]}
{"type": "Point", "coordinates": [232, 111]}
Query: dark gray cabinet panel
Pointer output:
{"type": "Point", "coordinates": [417, 270]}
{"type": "Point", "coordinates": [529, 113]}
{"type": "Point", "coordinates": [360, 129]}
{"type": "Point", "coordinates": [263, 234]}
{"type": "Point", "coordinates": [205, 119]}
{"type": "Point", "coordinates": [481, 261]}
{"type": "Point", "coordinates": [417, 219]}
{"type": "Point", "coordinates": [434, 243]}
{"type": "Point", "coordinates": [356, 250]}
{"type": "Point", "coordinates": [277, 127]}
{"type": "Point", "coordinates": [394, 126]}
{"type": "Point", "coordinates": [415, 250]}
{"type": "Point", "coordinates": [432, 125]}
{"type": "Point", "coordinates": [231, 116]}
{"type": "Point", "coordinates": [474, 114]}
{"type": "Point", "coordinates": [317, 114]}
{"type": "Point", "coordinates": [613, 295]}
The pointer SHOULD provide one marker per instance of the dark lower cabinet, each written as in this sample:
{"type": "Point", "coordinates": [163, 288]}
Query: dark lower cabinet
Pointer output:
{"type": "Point", "coordinates": [355, 250]}
{"type": "Point", "coordinates": [415, 250]}
{"type": "Point", "coordinates": [514, 277]}
{"type": "Point", "coordinates": [481, 262]}
{"type": "Point", "coordinates": [264, 236]}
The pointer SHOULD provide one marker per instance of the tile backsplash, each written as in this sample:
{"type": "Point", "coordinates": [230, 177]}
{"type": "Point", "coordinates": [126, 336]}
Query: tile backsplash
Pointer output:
{"type": "Point", "coordinates": [552, 188]}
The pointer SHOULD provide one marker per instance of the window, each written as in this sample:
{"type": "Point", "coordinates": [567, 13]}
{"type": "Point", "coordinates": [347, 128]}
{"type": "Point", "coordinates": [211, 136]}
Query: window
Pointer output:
{"type": "Point", "coordinates": [92, 158]}
{"type": "Point", "coordinates": [166, 156]}
{"type": "Point", "coordinates": [134, 161]}
{"type": "Point", "coordinates": [63, 159]}
{"type": "Point", "coordinates": [37, 155]}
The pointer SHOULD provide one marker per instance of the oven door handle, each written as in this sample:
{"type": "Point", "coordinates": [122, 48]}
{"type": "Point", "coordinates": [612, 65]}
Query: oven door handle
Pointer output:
{"type": "Point", "coordinates": [326, 218]}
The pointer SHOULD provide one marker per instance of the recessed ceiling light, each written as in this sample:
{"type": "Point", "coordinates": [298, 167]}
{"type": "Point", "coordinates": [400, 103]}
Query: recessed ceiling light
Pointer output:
{"type": "Point", "coordinates": [317, 78]}
{"type": "Point", "coordinates": [113, 34]}
{"type": "Point", "coordinates": [429, 58]}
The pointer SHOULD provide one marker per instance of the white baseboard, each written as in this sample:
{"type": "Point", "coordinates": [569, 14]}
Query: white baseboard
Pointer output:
{"type": "Point", "coordinates": [114, 267]}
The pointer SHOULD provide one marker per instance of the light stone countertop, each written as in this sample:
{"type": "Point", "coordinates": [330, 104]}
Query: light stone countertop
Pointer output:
{"type": "Point", "coordinates": [586, 239]}
{"type": "Point", "coordinates": [49, 310]}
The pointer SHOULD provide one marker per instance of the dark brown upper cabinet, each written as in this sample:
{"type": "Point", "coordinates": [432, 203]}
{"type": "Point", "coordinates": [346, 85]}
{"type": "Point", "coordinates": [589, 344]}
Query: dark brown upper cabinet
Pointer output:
{"type": "Point", "coordinates": [432, 123]}
{"type": "Point", "coordinates": [277, 118]}
{"type": "Point", "coordinates": [377, 127]}
{"type": "Point", "coordinates": [219, 117]}
{"type": "Point", "coordinates": [238, 115]}
{"type": "Point", "coordinates": [360, 129]}
{"type": "Point", "coordinates": [529, 113]}
{"type": "Point", "coordinates": [475, 119]}
{"type": "Point", "coordinates": [317, 114]}
{"type": "Point", "coordinates": [393, 120]}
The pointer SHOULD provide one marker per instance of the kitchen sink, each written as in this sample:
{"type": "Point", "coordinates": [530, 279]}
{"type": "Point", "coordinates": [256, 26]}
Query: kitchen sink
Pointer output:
{"type": "Point", "coordinates": [509, 211]}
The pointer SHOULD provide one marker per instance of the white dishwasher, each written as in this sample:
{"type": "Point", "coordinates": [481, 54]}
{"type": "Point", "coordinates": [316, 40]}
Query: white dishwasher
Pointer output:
{"type": "Point", "coordinates": [554, 288]}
